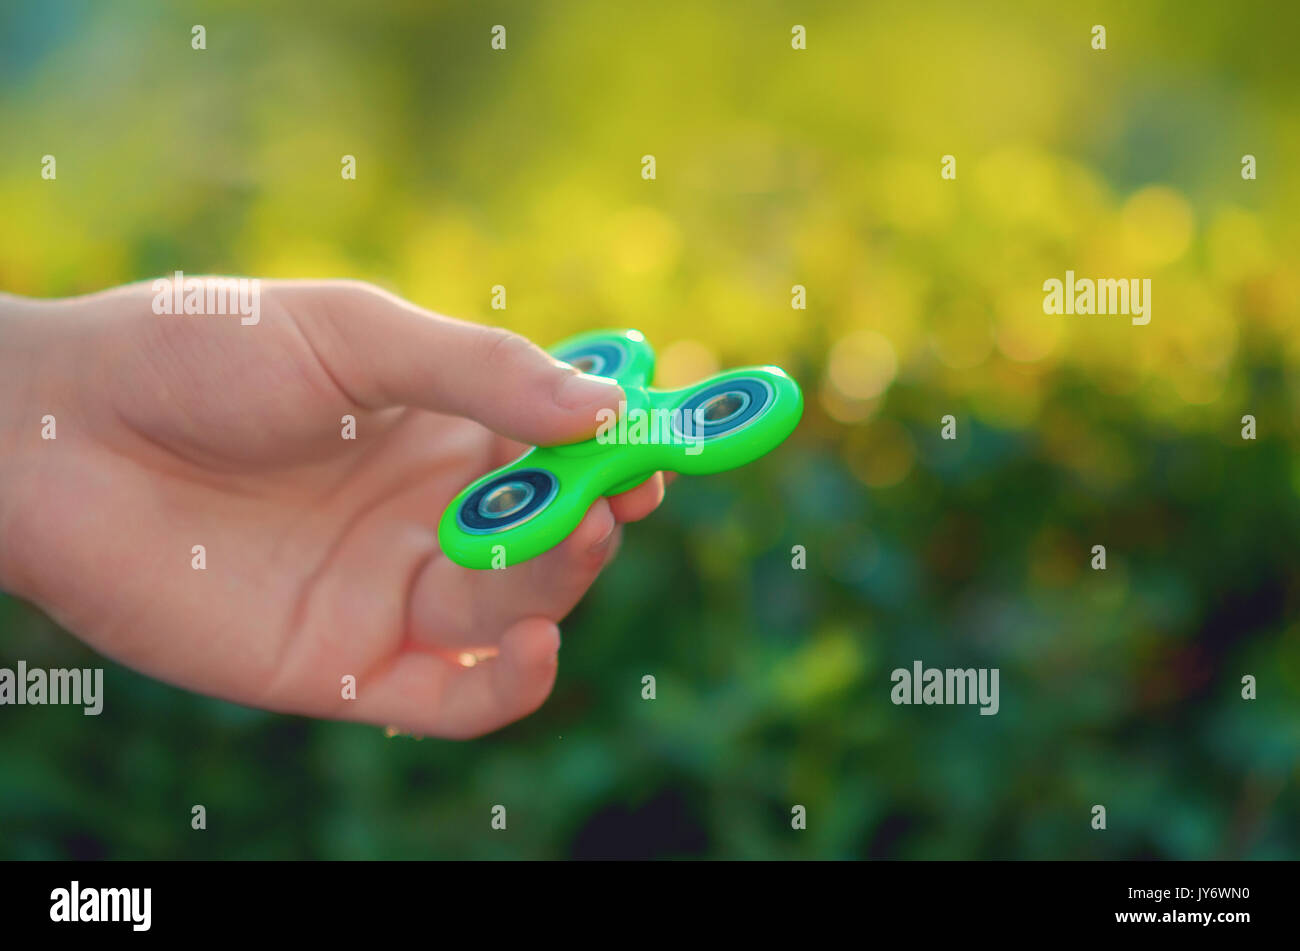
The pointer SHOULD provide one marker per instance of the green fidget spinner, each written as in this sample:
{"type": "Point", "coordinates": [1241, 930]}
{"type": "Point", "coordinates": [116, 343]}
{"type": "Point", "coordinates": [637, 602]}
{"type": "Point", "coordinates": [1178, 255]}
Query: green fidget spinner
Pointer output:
{"type": "Point", "coordinates": [531, 505]}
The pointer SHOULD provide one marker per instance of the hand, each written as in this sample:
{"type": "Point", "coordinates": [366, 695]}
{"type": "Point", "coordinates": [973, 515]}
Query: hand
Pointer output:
{"type": "Point", "coordinates": [321, 552]}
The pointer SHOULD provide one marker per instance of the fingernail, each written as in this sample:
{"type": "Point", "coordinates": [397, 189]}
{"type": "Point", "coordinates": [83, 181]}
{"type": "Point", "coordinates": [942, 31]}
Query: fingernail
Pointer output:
{"type": "Point", "coordinates": [583, 389]}
{"type": "Point", "coordinates": [604, 541]}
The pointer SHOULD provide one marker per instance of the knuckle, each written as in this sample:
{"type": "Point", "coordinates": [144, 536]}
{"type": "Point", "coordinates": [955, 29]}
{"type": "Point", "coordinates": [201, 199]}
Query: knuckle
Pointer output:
{"type": "Point", "coordinates": [505, 349]}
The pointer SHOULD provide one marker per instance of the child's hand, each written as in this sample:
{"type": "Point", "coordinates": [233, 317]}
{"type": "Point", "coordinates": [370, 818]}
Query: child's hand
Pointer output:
{"type": "Point", "coordinates": [321, 552]}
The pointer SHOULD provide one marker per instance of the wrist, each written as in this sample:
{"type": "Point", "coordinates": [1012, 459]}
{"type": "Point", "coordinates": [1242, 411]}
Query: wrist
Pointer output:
{"type": "Point", "coordinates": [25, 355]}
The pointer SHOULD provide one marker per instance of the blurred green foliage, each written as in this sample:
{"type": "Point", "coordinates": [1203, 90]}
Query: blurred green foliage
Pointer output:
{"type": "Point", "coordinates": [775, 168]}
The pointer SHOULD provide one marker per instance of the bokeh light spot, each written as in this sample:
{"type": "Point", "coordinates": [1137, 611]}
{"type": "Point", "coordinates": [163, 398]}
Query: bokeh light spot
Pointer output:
{"type": "Point", "coordinates": [862, 365]}
{"type": "Point", "coordinates": [684, 362]}
{"type": "Point", "coordinates": [1156, 226]}
{"type": "Point", "coordinates": [881, 453]}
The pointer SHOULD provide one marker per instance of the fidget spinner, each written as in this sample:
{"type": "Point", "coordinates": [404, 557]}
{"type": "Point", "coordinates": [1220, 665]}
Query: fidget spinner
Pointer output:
{"type": "Point", "coordinates": [533, 504]}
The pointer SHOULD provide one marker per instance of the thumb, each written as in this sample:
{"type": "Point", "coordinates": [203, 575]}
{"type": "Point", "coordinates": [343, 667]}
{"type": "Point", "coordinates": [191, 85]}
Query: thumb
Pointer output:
{"type": "Point", "coordinates": [383, 351]}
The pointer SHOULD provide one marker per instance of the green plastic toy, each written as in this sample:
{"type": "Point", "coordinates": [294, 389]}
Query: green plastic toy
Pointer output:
{"type": "Point", "coordinates": [531, 505]}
